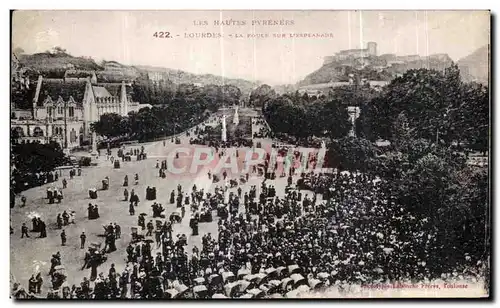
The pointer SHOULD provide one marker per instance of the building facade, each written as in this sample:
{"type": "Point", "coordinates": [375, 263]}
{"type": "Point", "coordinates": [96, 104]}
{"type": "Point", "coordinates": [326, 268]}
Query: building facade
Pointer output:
{"type": "Point", "coordinates": [63, 110]}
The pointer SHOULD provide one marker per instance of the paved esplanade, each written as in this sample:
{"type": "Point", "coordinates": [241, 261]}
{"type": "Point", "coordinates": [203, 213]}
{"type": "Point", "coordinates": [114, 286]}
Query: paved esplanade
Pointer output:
{"type": "Point", "coordinates": [29, 254]}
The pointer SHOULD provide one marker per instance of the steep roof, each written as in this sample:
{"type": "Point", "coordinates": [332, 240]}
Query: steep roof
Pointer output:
{"type": "Point", "coordinates": [54, 89]}
{"type": "Point", "coordinates": [101, 92]}
{"type": "Point", "coordinates": [115, 88]}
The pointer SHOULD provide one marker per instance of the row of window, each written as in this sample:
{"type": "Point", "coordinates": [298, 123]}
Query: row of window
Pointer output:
{"type": "Point", "coordinates": [38, 132]}
{"type": "Point", "coordinates": [60, 111]}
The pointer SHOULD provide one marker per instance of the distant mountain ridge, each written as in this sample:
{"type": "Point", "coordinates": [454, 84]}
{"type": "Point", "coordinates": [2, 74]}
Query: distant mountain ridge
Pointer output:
{"type": "Point", "coordinates": [55, 65]}
{"type": "Point", "coordinates": [179, 76]}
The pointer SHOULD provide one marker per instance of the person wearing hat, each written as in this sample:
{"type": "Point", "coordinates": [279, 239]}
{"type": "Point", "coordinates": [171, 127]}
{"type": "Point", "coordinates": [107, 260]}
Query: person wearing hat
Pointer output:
{"type": "Point", "coordinates": [24, 231]}
{"type": "Point", "coordinates": [63, 238]}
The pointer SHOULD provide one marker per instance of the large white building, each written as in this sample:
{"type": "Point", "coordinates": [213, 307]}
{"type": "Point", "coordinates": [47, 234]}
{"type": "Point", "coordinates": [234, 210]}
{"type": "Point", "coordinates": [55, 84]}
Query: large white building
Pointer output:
{"type": "Point", "coordinates": [63, 110]}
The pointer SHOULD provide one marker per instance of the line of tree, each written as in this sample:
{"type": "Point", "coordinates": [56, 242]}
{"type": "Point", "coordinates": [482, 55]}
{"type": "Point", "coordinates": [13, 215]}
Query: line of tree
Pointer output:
{"type": "Point", "coordinates": [173, 110]}
{"type": "Point", "coordinates": [435, 106]}
{"type": "Point", "coordinates": [295, 115]}
{"type": "Point", "coordinates": [164, 92]}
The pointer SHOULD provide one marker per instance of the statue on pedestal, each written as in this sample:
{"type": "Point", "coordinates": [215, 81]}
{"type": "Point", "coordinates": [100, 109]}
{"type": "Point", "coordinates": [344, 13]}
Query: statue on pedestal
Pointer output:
{"type": "Point", "coordinates": [236, 119]}
{"type": "Point", "coordinates": [94, 144]}
{"type": "Point", "coordinates": [224, 130]}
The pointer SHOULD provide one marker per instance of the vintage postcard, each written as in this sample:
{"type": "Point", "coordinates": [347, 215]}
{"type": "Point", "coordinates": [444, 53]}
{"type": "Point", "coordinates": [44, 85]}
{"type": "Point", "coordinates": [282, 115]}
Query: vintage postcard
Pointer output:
{"type": "Point", "coordinates": [250, 154]}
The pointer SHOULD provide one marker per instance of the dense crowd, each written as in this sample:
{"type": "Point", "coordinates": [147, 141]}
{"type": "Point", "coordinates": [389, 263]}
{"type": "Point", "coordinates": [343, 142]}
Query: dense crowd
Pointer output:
{"type": "Point", "coordinates": [326, 229]}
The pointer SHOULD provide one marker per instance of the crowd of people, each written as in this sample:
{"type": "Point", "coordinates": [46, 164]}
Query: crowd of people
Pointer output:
{"type": "Point", "coordinates": [344, 229]}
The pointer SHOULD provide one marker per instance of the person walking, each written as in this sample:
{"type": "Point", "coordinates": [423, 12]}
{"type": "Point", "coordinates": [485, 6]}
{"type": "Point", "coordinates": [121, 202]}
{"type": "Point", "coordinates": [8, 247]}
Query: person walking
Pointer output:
{"type": "Point", "coordinates": [24, 231]}
{"type": "Point", "coordinates": [83, 237]}
{"type": "Point", "coordinates": [63, 238]}
{"type": "Point", "coordinates": [118, 230]}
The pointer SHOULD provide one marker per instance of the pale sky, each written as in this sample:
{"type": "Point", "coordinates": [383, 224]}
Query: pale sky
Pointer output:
{"type": "Point", "coordinates": [127, 37]}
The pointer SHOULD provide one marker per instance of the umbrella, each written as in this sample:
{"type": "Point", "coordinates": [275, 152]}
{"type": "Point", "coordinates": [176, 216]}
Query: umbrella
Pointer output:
{"type": "Point", "coordinates": [218, 296]}
{"type": "Point", "coordinates": [229, 288]}
{"type": "Point", "coordinates": [181, 289]}
{"type": "Point", "coordinates": [250, 278]}
{"type": "Point", "coordinates": [270, 270]}
{"type": "Point", "coordinates": [281, 270]}
{"type": "Point", "coordinates": [264, 288]}
{"type": "Point", "coordinates": [292, 269]}
{"type": "Point", "coordinates": [228, 276]}
{"type": "Point", "coordinates": [297, 278]}
{"type": "Point", "coordinates": [143, 214]}
{"type": "Point", "coordinates": [198, 289]}
{"type": "Point", "coordinates": [259, 277]}
{"type": "Point", "coordinates": [256, 292]}
{"type": "Point", "coordinates": [315, 283]}
{"type": "Point", "coordinates": [388, 251]}
{"type": "Point", "coordinates": [243, 285]}
{"type": "Point", "coordinates": [285, 282]}
{"type": "Point", "coordinates": [172, 293]}
{"type": "Point", "coordinates": [214, 278]}
{"type": "Point", "coordinates": [242, 272]}
{"type": "Point", "coordinates": [199, 280]}
{"type": "Point", "coordinates": [379, 270]}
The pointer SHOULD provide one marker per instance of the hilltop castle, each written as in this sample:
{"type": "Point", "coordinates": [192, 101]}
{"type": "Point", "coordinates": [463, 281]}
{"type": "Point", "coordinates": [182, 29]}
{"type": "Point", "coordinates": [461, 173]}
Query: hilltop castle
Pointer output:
{"type": "Point", "coordinates": [370, 50]}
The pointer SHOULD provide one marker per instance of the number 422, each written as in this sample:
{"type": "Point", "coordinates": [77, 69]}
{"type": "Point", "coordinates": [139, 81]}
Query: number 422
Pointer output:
{"type": "Point", "coordinates": [162, 35]}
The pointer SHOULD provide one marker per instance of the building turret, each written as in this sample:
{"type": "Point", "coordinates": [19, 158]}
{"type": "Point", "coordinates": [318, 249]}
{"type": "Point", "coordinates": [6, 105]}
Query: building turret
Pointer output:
{"type": "Point", "coordinates": [371, 48]}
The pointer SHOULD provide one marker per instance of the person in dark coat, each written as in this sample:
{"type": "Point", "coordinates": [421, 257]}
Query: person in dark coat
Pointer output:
{"type": "Point", "coordinates": [59, 221]}
{"type": "Point", "coordinates": [193, 223]}
{"type": "Point", "coordinates": [118, 230]}
{"type": "Point", "coordinates": [43, 229]}
{"type": "Point", "coordinates": [24, 231]}
{"type": "Point", "coordinates": [63, 238]}
{"type": "Point", "coordinates": [172, 197]}
{"type": "Point", "coordinates": [83, 237]}
{"type": "Point", "coordinates": [36, 227]}
{"type": "Point", "coordinates": [38, 283]}
{"type": "Point", "coordinates": [32, 284]}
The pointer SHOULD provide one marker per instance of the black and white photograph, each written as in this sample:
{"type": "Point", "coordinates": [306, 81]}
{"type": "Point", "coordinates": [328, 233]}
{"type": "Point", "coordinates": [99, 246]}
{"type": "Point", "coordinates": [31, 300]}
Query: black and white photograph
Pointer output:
{"type": "Point", "coordinates": [250, 154]}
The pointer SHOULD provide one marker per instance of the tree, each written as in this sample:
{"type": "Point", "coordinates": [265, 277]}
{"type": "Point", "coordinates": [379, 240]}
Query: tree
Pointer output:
{"type": "Point", "coordinates": [36, 157]}
{"type": "Point", "coordinates": [109, 125]}
{"type": "Point", "coordinates": [261, 95]}
{"type": "Point", "coordinates": [351, 153]}
{"type": "Point", "coordinates": [58, 50]}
